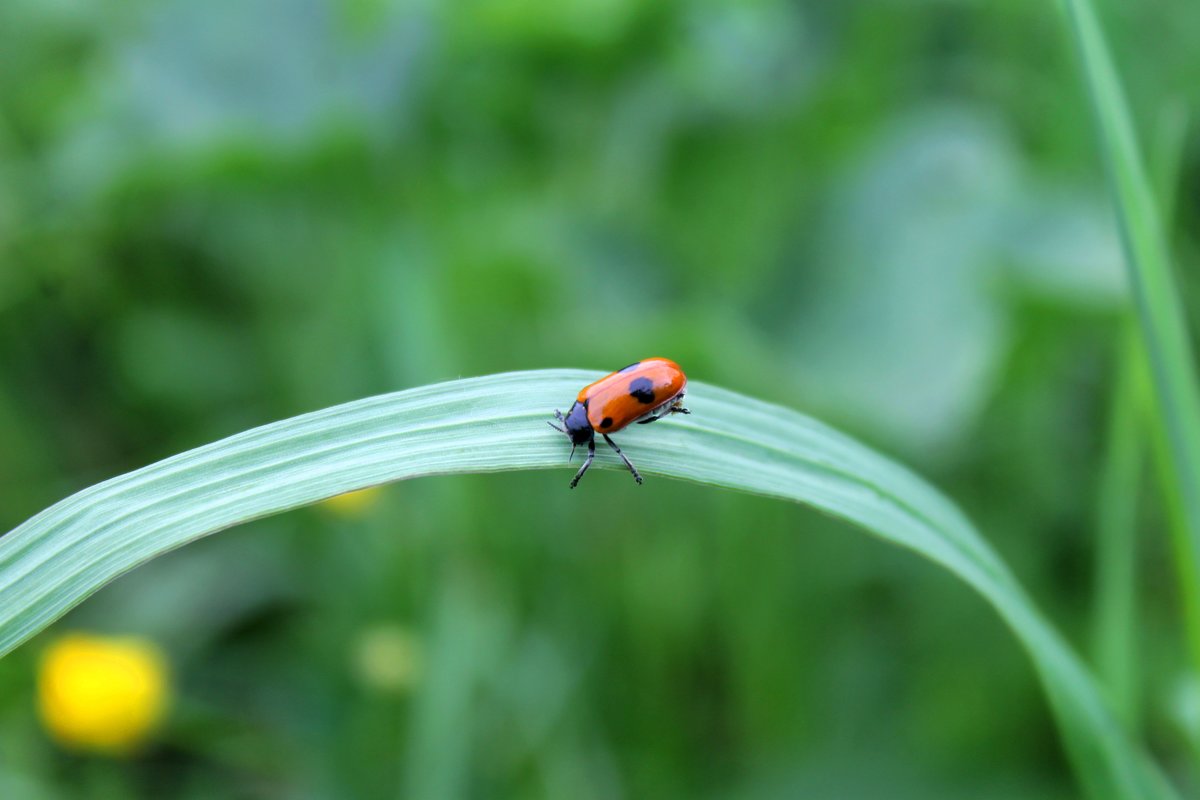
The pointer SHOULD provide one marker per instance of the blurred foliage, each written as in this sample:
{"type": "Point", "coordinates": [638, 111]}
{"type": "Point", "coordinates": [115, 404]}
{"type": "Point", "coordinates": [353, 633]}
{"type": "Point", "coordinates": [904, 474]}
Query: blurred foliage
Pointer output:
{"type": "Point", "coordinates": [887, 214]}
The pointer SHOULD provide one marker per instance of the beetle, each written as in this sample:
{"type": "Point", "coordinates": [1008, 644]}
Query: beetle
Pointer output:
{"type": "Point", "coordinates": [643, 392]}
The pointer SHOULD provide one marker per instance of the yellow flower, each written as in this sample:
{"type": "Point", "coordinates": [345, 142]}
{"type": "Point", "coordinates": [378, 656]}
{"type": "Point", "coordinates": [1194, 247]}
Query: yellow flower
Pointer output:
{"type": "Point", "coordinates": [102, 693]}
{"type": "Point", "coordinates": [354, 504]}
{"type": "Point", "coordinates": [388, 658]}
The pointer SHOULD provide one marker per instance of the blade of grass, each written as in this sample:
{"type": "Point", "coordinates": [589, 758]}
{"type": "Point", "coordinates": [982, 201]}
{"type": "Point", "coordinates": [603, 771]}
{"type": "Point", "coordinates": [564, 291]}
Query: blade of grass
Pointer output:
{"type": "Point", "coordinates": [1115, 635]}
{"type": "Point", "coordinates": [1116, 545]}
{"type": "Point", "coordinates": [56, 559]}
{"type": "Point", "coordinates": [1164, 334]}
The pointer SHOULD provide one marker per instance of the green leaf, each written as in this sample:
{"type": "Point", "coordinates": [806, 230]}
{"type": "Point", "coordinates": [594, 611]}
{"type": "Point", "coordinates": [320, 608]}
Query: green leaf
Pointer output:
{"type": "Point", "coordinates": [1159, 309]}
{"type": "Point", "coordinates": [62, 555]}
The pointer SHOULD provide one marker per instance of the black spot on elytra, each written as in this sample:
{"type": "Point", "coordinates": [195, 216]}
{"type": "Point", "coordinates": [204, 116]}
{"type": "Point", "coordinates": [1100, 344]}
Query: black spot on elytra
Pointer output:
{"type": "Point", "coordinates": [642, 390]}
{"type": "Point", "coordinates": [631, 366]}
{"type": "Point", "coordinates": [606, 422]}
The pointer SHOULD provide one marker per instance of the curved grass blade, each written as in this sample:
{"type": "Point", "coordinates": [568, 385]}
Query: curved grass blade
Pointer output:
{"type": "Point", "coordinates": [55, 560]}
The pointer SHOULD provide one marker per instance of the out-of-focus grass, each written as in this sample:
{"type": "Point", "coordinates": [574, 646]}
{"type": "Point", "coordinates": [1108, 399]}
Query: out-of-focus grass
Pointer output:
{"type": "Point", "coordinates": [1116, 631]}
{"type": "Point", "coordinates": [1156, 299]}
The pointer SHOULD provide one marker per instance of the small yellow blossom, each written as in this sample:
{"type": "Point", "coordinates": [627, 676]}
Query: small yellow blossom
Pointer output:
{"type": "Point", "coordinates": [354, 504]}
{"type": "Point", "coordinates": [101, 693]}
{"type": "Point", "coordinates": [388, 658]}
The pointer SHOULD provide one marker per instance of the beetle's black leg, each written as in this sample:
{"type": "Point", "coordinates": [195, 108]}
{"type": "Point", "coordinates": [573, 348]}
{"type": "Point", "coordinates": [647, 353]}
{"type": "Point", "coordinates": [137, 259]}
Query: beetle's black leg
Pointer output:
{"type": "Point", "coordinates": [586, 463]}
{"type": "Point", "coordinates": [668, 412]}
{"type": "Point", "coordinates": [655, 416]}
{"type": "Point", "coordinates": [628, 463]}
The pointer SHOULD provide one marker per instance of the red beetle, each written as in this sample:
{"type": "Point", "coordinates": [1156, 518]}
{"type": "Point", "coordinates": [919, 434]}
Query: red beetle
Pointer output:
{"type": "Point", "coordinates": [643, 392]}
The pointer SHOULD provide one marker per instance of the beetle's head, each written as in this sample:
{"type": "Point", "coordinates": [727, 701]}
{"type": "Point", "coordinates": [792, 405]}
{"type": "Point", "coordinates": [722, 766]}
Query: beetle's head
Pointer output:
{"type": "Point", "coordinates": [575, 425]}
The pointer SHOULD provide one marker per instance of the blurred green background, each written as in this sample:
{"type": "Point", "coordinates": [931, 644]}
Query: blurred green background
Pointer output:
{"type": "Point", "coordinates": [888, 214]}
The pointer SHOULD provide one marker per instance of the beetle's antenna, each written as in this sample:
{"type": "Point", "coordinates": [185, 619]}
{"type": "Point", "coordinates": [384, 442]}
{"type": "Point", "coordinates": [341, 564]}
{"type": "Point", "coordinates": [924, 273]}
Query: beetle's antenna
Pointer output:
{"type": "Point", "coordinates": [552, 425]}
{"type": "Point", "coordinates": [572, 453]}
